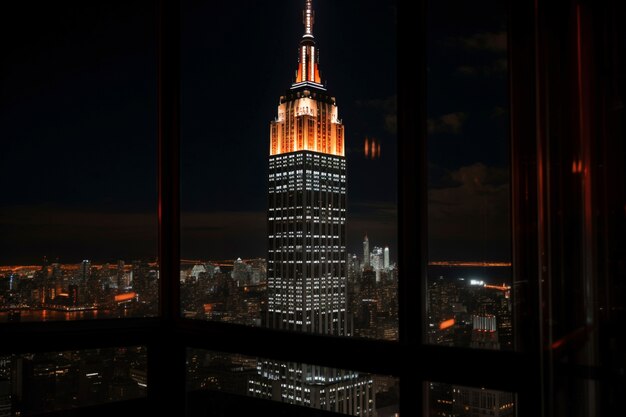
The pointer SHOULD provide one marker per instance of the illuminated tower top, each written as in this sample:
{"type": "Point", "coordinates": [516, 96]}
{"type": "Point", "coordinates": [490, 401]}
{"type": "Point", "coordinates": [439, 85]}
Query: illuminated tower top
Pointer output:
{"type": "Point", "coordinates": [308, 66]}
{"type": "Point", "coordinates": [307, 117]}
{"type": "Point", "coordinates": [309, 19]}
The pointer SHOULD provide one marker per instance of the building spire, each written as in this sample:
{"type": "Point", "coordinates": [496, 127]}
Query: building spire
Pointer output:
{"type": "Point", "coordinates": [308, 71]}
{"type": "Point", "coordinates": [308, 16]}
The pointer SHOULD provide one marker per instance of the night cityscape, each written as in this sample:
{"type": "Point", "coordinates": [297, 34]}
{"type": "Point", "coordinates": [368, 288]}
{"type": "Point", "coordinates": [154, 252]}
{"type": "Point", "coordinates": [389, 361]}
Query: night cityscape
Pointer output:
{"type": "Point", "coordinates": [312, 208]}
{"type": "Point", "coordinates": [43, 382]}
{"type": "Point", "coordinates": [330, 263]}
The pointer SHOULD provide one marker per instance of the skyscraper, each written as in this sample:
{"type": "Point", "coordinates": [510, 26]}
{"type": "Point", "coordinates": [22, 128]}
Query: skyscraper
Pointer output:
{"type": "Point", "coordinates": [386, 258]}
{"type": "Point", "coordinates": [307, 259]}
{"type": "Point", "coordinates": [120, 275]}
{"type": "Point", "coordinates": [306, 273]}
{"type": "Point", "coordinates": [376, 261]}
{"type": "Point", "coordinates": [366, 253]}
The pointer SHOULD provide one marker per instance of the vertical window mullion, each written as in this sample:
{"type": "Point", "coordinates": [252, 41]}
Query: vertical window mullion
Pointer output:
{"type": "Point", "coordinates": [412, 204]}
{"type": "Point", "coordinates": [166, 354]}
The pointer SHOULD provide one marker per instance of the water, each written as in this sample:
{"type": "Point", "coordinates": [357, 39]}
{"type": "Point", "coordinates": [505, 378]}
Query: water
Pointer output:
{"type": "Point", "coordinates": [55, 315]}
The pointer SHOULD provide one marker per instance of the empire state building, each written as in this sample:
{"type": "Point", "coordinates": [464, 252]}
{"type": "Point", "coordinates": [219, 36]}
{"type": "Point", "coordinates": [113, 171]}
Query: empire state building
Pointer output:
{"type": "Point", "coordinates": [307, 262]}
{"type": "Point", "coordinates": [307, 204]}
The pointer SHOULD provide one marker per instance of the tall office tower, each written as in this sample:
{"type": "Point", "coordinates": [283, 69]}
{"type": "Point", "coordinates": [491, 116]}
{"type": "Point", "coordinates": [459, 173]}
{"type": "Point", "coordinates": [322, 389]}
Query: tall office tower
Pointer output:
{"type": "Point", "coordinates": [366, 253]}
{"type": "Point", "coordinates": [121, 282]}
{"type": "Point", "coordinates": [82, 280]}
{"type": "Point", "coordinates": [386, 258]}
{"type": "Point", "coordinates": [484, 332]}
{"type": "Point", "coordinates": [307, 259]}
{"type": "Point", "coordinates": [376, 260]}
{"type": "Point", "coordinates": [85, 270]}
{"type": "Point", "coordinates": [306, 277]}
{"type": "Point", "coordinates": [58, 278]}
{"type": "Point", "coordinates": [240, 273]}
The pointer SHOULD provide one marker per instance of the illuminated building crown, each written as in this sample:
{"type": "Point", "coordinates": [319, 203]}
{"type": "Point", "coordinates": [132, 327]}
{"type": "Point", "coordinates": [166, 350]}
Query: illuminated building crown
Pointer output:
{"type": "Point", "coordinates": [308, 117]}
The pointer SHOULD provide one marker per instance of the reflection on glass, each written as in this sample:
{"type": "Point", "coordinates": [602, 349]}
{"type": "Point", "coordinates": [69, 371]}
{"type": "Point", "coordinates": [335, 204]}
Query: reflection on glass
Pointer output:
{"type": "Point", "coordinates": [43, 382]}
{"type": "Point", "coordinates": [323, 388]}
{"type": "Point", "coordinates": [469, 294]}
{"type": "Point", "coordinates": [304, 192]}
{"type": "Point", "coordinates": [78, 162]}
{"type": "Point", "coordinates": [445, 400]}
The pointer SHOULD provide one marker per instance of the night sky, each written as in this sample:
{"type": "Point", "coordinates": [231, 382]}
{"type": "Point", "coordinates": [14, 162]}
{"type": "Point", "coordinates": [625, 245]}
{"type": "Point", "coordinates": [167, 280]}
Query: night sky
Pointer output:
{"type": "Point", "coordinates": [227, 108]}
{"type": "Point", "coordinates": [468, 146]}
{"type": "Point", "coordinates": [78, 125]}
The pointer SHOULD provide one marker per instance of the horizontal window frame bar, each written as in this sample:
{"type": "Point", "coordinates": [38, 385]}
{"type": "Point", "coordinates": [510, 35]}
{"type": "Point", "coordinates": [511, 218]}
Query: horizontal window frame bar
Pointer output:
{"type": "Point", "coordinates": [338, 352]}
{"type": "Point", "coordinates": [462, 366]}
{"type": "Point", "coordinates": [32, 337]}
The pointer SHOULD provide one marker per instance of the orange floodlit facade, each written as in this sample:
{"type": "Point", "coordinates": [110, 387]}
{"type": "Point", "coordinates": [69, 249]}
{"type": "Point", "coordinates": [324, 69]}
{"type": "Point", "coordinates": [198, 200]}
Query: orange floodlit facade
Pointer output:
{"type": "Point", "coordinates": [307, 121]}
{"type": "Point", "coordinates": [308, 118]}
{"type": "Point", "coordinates": [446, 324]}
{"type": "Point", "coordinates": [120, 298]}
{"type": "Point", "coordinates": [498, 287]}
{"type": "Point", "coordinates": [308, 68]}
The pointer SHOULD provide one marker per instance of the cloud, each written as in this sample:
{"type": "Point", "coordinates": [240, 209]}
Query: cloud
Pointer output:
{"type": "Point", "coordinates": [192, 222]}
{"type": "Point", "coordinates": [385, 210]}
{"type": "Point", "coordinates": [499, 66]}
{"type": "Point", "coordinates": [485, 41]}
{"type": "Point", "coordinates": [388, 107]}
{"type": "Point", "coordinates": [493, 43]}
{"type": "Point", "coordinates": [223, 234]}
{"type": "Point", "coordinates": [469, 218]}
{"type": "Point", "coordinates": [228, 235]}
{"type": "Point", "coordinates": [27, 233]}
{"type": "Point", "coordinates": [448, 123]}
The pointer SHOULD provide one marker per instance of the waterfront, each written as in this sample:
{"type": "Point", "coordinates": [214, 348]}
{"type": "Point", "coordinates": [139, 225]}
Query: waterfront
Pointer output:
{"type": "Point", "coordinates": [28, 315]}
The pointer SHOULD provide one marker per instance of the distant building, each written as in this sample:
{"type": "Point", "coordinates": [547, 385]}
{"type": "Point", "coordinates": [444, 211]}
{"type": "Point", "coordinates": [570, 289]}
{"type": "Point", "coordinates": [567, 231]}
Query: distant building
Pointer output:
{"type": "Point", "coordinates": [386, 264]}
{"type": "Point", "coordinates": [377, 262]}
{"type": "Point", "coordinates": [121, 276]}
{"type": "Point", "coordinates": [480, 402]}
{"type": "Point", "coordinates": [318, 387]}
{"type": "Point", "coordinates": [240, 273]}
{"type": "Point", "coordinates": [484, 332]}
{"type": "Point", "coordinates": [366, 253]}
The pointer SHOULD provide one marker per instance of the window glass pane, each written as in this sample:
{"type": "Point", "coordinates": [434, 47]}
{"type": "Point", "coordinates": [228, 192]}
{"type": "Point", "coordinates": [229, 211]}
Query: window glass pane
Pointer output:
{"type": "Point", "coordinates": [78, 161]}
{"type": "Point", "coordinates": [469, 273]}
{"type": "Point", "coordinates": [289, 181]}
{"type": "Point", "coordinates": [460, 401]}
{"type": "Point", "coordinates": [32, 383]}
{"type": "Point", "coordinates": [318, 387]}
